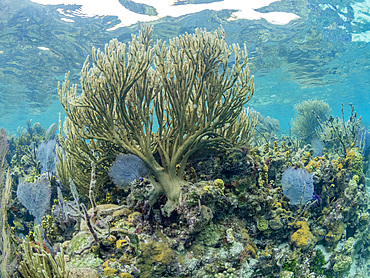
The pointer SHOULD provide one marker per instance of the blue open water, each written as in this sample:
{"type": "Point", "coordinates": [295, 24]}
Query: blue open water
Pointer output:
{"type": "Point", "coordinates": [324, 54]}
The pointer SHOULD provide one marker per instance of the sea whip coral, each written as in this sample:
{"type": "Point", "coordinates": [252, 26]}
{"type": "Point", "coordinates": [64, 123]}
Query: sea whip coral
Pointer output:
{"type": "Point", "coordinates": [186, 87]}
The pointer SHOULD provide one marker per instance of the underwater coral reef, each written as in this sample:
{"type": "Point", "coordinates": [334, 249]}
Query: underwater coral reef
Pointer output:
{"type": "Point", "coordinates": [159, 171]}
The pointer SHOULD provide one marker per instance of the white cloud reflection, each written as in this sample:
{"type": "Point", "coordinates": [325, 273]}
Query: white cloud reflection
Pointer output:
{"type": "Point", "coordinates": [243, 9]}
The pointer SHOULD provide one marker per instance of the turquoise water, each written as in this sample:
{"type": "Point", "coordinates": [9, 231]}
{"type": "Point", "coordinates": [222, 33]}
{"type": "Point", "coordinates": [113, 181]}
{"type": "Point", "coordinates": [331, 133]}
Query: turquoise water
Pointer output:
{"type": "Point", "coordinates": [269, 207]}
{"type": "Point", "coordinates": [323, 54]}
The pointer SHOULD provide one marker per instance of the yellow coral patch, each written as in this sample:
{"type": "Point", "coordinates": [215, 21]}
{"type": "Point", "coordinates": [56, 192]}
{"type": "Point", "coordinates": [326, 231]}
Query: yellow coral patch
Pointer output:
{"type": "Point", "coordinates": [219, 183]}
{"type": "Point", "coordinates": [120, 243]}
{"type": "Point", "coordinates": [105, 264]}
{"type": "Point", "coordinates": [126, 275]}
{"type": "Point", "coordinates": [109, 272]}
{"type": "Point", "coordinates": [354, 161]}
{"type": "Point", "coordinates": [315, 163]}
{"type": "Point", "coordinates": [207, 189]}
{"type": "Point", "coordinates": [337, 165]}
{"type": "Point", "coordinates": [302, 238]}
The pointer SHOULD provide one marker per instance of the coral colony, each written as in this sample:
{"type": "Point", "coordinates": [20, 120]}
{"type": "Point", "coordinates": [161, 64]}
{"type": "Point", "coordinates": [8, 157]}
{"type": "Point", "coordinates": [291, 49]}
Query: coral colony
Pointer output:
{"type": "Point", "coordinates": [158, 170]}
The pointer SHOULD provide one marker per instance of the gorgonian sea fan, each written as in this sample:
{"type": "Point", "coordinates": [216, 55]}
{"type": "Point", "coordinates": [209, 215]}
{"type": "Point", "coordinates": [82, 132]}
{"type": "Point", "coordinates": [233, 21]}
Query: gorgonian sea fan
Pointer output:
{"type": "Point", "coordinates": [35, 196]}
{"type": "Point", "coordinates": [297, 185]}
{"type": "Point", "coordinates": [127, 168]}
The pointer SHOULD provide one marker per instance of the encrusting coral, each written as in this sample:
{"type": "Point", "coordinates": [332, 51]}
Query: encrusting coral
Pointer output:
{"type": "Point", "coordinates": [302, 238]}
{"type": "Point", "coordinates": [186, 86]}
